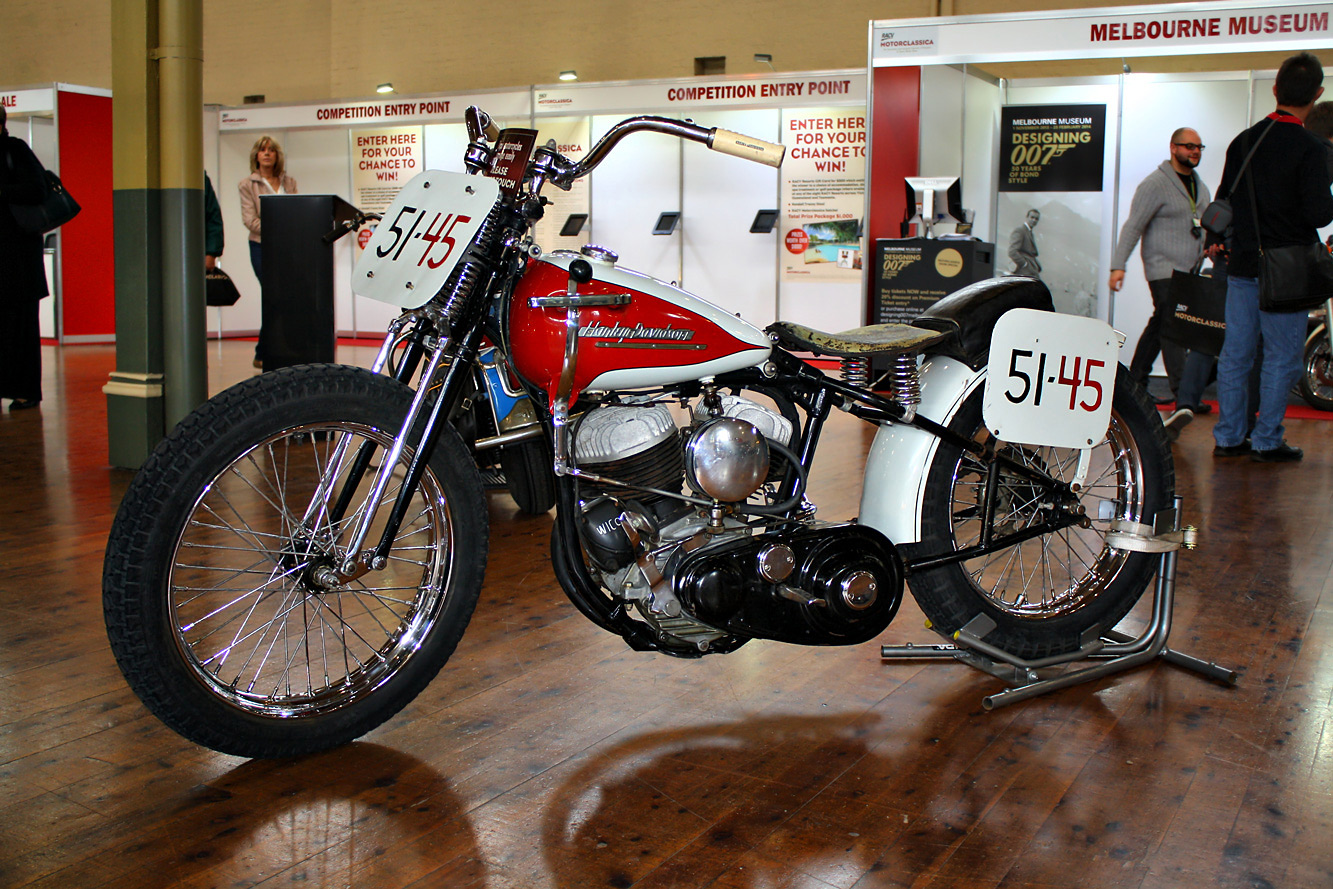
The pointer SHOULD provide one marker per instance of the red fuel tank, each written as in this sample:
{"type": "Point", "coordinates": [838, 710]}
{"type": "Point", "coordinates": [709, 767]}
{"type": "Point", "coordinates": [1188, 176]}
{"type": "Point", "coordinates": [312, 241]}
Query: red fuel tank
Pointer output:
{"type": "Point", "coordinates": [662, 336]}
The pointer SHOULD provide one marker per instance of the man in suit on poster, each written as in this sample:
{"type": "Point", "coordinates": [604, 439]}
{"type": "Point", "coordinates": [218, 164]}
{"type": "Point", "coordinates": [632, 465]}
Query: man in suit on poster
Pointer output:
{"type": "Point", "coordinates": [1023, 247]}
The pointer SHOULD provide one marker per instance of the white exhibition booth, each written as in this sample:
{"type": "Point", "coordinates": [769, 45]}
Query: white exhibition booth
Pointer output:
{"type": "Point", "coordinates": [961, 109]}
{"type": "Point", "coordinates": [69, 129]}
{"type": "Point", "coordinates": [363, 150]}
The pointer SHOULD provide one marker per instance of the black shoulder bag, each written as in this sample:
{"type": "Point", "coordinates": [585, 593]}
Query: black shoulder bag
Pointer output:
{"type": "Point", "coordinates": [56, 208]}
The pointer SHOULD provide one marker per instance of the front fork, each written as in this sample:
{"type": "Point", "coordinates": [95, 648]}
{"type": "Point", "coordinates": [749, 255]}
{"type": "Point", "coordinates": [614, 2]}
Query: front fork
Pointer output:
{"type": "Point", "coordinates": [446, 386]}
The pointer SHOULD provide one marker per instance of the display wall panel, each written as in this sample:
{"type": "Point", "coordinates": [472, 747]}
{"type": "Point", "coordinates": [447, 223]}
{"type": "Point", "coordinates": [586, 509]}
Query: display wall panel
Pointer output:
{"type": "Point", "coordinates": [86, 258]}
{"type": "Point", "coordinates": [638, 180]}
{"type": "Point", "coordinates": [981, 128]}
{"type": "Point", "coordinates": [41, 137]}
{"type": "Point", "coordinates": [960, 119]}
{"type": "Point", "coordinates": [723, 261]}
{"type": "Point", "coordinates": [942, 121]}
{"type": "Point", "coordinates": [1154, 106]}
{"type": "Point", "coordinates": [445, 144]}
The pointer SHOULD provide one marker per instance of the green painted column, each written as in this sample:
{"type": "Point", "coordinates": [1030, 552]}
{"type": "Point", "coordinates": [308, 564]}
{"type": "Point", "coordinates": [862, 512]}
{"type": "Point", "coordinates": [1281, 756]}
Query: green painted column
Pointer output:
{"type": "Point", "coordinates": [157, 77]}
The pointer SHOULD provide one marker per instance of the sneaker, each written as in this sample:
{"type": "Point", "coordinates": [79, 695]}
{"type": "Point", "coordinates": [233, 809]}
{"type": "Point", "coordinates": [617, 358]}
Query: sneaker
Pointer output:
{"type": "Point", "coordinates": [1239, 450]}
{"type": "Point", "coordinates": [1177, 420]}
{"type": "Point", "coordinates": [1283, 453]}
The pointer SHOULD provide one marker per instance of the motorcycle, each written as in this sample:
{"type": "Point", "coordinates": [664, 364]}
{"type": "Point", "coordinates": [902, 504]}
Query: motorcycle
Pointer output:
{"type": "Point", "coordinates": [301, 555]}
{"type": "Point", "coordinates": [1316, 382]}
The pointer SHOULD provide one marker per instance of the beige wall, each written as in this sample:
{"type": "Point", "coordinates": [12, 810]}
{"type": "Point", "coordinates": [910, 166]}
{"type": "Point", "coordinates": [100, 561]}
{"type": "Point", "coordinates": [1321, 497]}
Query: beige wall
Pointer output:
{"type": "Point", "coordinates": [294, 50]}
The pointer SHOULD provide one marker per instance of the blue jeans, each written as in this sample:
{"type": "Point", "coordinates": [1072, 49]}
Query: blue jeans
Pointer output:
{"type": "Point", "coordinates": [1283, 342]}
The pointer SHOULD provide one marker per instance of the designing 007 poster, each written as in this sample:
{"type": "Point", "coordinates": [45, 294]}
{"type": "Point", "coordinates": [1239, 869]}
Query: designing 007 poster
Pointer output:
{"type": "Point", "coordinates": [1048, 218]}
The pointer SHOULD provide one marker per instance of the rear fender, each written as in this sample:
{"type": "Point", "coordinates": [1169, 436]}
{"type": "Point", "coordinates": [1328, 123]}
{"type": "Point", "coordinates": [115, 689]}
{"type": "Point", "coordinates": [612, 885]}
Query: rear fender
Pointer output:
{"type": "Point", "coordinates": [900, 456]}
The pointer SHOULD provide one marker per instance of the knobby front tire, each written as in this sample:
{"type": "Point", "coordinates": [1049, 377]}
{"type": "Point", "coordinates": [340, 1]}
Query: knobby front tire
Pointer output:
{"type": "Point", "coordinates": [216, 607]}
{"type": "Point", "coordinates": [1046, 593]}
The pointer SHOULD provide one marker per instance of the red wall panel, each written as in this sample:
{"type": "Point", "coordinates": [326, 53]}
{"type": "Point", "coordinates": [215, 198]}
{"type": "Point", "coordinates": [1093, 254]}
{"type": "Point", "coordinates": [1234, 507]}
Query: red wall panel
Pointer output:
{"type": "Point", "coordinates": [87, 254]}
{"type": "Point", "coordinates": [895, 127]}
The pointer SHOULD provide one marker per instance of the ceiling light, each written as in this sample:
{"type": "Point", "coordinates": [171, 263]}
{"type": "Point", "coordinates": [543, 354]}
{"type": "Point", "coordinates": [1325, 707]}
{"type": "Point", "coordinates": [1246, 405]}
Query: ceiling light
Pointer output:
{"type": "Point", "coordinates": [569, 75]}
{"type": "Point", "coordinates": [384, 88]}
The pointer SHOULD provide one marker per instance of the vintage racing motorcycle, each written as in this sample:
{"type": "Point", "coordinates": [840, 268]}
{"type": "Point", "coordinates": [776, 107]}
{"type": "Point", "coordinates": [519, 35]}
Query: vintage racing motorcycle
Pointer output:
{"type": "Point", "coordinates": [301, 555]}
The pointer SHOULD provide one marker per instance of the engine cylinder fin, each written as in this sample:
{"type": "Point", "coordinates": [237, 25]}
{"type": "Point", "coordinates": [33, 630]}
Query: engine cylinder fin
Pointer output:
{"type": "Point", "coordinates": [662, 466]}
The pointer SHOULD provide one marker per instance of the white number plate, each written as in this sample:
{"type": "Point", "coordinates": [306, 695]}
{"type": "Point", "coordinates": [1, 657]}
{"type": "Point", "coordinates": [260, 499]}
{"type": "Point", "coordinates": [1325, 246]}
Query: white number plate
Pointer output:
{"type": "Point", "coordinates": [1051, 379]}
{"type": "Point", "coordinates": [422, 236]}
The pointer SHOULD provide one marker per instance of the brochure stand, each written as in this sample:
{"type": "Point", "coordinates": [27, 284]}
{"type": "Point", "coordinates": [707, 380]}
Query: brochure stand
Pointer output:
{"type": "Point", "coordinates": [1117, 651]}
{"type": "Point", "coordinates": [298, 326]}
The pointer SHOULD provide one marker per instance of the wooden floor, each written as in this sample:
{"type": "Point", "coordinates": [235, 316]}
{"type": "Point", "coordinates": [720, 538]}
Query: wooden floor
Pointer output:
{"type": "Point", "coordinates": [548, 755]}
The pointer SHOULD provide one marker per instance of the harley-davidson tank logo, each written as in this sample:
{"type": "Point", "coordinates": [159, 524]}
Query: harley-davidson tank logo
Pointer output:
{"type": "Point", "coordinates": [640, 337]}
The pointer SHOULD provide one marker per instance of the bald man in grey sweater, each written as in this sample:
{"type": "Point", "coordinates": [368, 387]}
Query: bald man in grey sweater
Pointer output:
{"type": "Point", "coordinates": [1164, 219]}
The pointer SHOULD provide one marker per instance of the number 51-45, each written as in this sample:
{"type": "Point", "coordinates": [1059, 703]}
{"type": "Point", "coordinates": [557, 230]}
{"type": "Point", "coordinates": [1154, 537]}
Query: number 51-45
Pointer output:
{"type": "Point", "coordinates": [1033, 385]}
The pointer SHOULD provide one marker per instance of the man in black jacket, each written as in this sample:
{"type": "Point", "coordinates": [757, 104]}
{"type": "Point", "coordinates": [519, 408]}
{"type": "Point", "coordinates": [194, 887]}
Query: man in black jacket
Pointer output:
{"type": "Point", "coordinates": [1288, 175]}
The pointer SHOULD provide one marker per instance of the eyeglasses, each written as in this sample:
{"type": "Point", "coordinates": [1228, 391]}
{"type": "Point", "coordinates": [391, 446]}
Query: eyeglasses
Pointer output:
{"type": "Point", "coordinates": [1190, 146]}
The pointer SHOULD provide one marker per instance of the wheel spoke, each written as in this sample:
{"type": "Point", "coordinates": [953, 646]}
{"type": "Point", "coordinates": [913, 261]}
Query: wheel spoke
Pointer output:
{"type": "Point", "coordinates": [1052, 573]}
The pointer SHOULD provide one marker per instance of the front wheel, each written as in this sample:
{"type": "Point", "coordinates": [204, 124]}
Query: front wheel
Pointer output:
{"type": "Point", "coordinates": [221, 602]}
{"type": "Point", "coordinates": [1316, 383]}
{"type": "Point", "coordinates": [1044, 594]}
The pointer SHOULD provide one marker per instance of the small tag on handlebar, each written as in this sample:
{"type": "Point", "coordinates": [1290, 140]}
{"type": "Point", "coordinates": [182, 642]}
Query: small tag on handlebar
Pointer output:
{"type": "Point", "coordinates": [509, 160]}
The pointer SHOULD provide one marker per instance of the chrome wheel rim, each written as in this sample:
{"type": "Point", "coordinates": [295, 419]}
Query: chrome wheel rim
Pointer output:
{"type": "Point", "coordinates": [258, 623]}
{"type": "Point", "coordinates": [1057, 573]}
{"type": "Point", "coordinates": [1319, 373]}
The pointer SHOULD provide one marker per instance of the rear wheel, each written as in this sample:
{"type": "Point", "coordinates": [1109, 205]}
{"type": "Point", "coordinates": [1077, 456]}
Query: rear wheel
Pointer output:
{"type": "Point", "coordinates": [221, 599]}
{"type": "Point", "coordinates": [1046, 593]}
{"type": "Point", "coordinates": [529, 475]}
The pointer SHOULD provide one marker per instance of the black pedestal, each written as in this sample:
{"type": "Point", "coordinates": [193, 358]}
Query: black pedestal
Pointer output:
{"type": "Point", "coordinates": [297, 326]}
{"type": "Point", "coordinates": [913, 273]}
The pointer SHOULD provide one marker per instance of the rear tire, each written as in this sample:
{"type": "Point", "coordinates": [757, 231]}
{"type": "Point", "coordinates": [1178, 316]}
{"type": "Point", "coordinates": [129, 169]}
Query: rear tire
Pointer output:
{"type": "Point", "coordinates": [530, 475]}
{"type": "Point", "coordinates": [218, 602]}
{"type": "Point", "coordinates": [1046, 593]}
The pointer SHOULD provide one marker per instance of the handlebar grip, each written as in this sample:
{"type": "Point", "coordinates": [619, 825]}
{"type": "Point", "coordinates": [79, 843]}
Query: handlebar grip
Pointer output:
{"type": "Point", "coordinates": [748, 147]}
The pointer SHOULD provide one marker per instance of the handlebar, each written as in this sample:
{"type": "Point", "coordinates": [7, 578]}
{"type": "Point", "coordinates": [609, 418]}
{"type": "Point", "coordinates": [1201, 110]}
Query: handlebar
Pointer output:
{"type": "Point", "coordinates": [715, 138]}
{"type": "Point", "coordinates": [553, 167]}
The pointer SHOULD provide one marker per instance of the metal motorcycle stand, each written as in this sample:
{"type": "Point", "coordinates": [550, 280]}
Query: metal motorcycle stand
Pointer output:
{"type": "Point", "coordinates": [1117, 651]}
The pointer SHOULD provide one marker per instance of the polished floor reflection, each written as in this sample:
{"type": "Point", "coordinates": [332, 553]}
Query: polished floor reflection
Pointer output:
{"type": "Point", "coordinates": [547, 754]}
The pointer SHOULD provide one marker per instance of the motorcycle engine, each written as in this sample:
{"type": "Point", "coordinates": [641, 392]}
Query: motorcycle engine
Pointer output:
{"type": "Point", "coordinates": [699, 575]}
